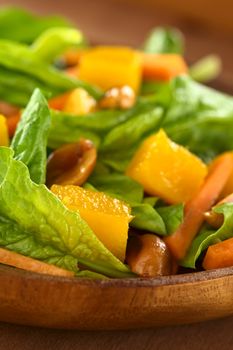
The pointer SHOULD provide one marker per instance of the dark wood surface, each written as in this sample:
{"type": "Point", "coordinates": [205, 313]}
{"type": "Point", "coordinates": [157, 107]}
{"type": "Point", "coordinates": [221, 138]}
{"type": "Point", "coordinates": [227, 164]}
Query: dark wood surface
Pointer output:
{"type": "Point", "coordinates": [212, 335]}
{"type": "Point", "coordinates": [114, 22]}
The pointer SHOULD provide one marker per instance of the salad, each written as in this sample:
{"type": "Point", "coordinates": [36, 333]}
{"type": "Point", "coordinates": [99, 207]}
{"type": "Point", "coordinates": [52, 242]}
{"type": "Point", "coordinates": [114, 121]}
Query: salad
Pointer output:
{"type": "Point", "coordinates": [115, 162]}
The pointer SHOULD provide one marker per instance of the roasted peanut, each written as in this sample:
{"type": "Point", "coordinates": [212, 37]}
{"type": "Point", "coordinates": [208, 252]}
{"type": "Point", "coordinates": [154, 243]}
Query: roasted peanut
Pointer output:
{"type": "Point", "coordinates": [123, 97]}
{"type": "Point", "coordinates": [214, 219]}
{"type": "Point", "coordinates": [148, 256]}
{"type": "Point", "coordinates": [71, 164]}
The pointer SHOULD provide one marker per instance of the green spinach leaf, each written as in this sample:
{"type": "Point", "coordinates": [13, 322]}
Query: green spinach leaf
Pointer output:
{"type": "Point", "coordinates": [30, 140]}
{"type": "Point", "coordinates": [55, 41]}
{"type": "Point", "coordinates": [119, 186]}
{"type": "Point", "coordinates": [147, 218]}
{"type": "Point", "coordinates": [39, 211]}
{"type": "Point", "coordinates": [17, 239]}
{"type": "Point", "coordinates": [172, 216]}
{"type": "Point", "coordinates": [132, 131]}
{"type": "Point", "coordinates": [164, 40]}
{"type": "Point", "coordinates": [206, 69]}
{"type": "Point", "coordinates": [208, 237]}
{"type": "Point", "coordinates": [199, 118]}
{"type": "Point", "coordinates": [19, 58]}
{"type": "Point", "coordinates": [20, 25]}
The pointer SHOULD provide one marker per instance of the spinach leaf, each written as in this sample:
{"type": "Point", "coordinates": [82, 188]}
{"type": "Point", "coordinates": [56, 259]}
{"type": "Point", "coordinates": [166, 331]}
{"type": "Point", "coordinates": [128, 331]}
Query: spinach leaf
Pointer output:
{"type": "Point", "coordinates": [88, 186]}
{"type": "Point", "coordinates": [132, 131]}
{"type": "Point", "coordinates": [39, 211]}
{"type": "Point", "coordinates": [119, 186]}
{"type": "Point", "coordinates": [206, 69]}
{"type": "Point", "coordinates": [59, 138]}
{"type": "Point", "coordinates": [199, 118]}
{"type": "Point", "coordinates": [151, 87]}
{"type": "Point", "coordinates": [151, 200]}
{"type": "Point", "coordinates": [120, 144]}
{"type": "Point", "coordinates": [20, 82]}
{"type": "Point", "coordinates": [20, 59]}
{"type": "Point", "coordinates": [147, 218]}
{"type": "Point", "coordinates": [17, 239]}
{"type": "Point", "coordinates": [13, 238]}
{"type": "Point", "coordinates": [30, 140]}
{"type": "Point", "coordinates": [117, 160]}
{"type": "Point", "coordinates": [90, 274]}
{"type": "Point", "coordinates": [68, 128]}
{"type": "Point", "coordinates": [164, 40]}
{"type": "Point", "coordinates": [20, 25]}
{"type": "Point", "coordinates": [54, 41]}
{"type": "Point", "coordinates": [172, 216]}
{"type": "Point", "coordinates": [16, 88]}
{"type": "Point", "coordinates": [15, 97]}
{"type": "Point", "coordinates": [98, 122]}
{"type": "Point", "coordinates": [208, 237]}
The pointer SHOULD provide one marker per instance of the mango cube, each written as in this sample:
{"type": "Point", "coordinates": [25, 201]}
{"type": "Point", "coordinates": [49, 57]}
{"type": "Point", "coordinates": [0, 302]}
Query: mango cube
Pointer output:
{"type": "Point", "coordinates": [4, 136]}
{"type": "Point", "coordinates": [109, 66]}
{"type": "Point", "coordinates": [108, 217]}
{"type": "Point", "coordinates": [79, 102]}
{"type": "Point", "coordinates": [166, 169]}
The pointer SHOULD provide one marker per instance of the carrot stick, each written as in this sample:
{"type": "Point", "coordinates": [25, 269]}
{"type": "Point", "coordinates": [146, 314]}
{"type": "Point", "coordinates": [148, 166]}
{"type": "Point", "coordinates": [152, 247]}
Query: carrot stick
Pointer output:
{"type": "Point", "coordinates": [73, 57]}
{"type": "Point", "coordinates": [25, 263]}
{"type": "Point", "coordinates": [227, 199]}
{"type": "Point", "coordinates": [7, 109]}
{"type": "Point", "coordinates": [58, 102]}
{"type": "Point", "coordinates": [163, 66]}
{"type": "Point", "coordinates": [181, 240]}
{"type": "Point", "coordinates": [219, 255]}
{"type": "Point", "coordinates": [12, 122]}
{"type": "Point", "coordinates": [72, 71]}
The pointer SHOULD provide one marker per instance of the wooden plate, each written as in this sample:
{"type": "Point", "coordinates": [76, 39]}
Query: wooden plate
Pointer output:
{"type": "Point", "coordinates": [38, 300]}
{"type": "Point", "coordinates": [45, 301]}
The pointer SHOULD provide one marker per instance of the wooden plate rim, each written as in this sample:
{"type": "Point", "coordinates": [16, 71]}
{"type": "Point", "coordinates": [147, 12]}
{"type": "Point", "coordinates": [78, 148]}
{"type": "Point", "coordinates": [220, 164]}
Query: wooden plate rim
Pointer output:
{"type": "Point", "coordinates": [194, 277]}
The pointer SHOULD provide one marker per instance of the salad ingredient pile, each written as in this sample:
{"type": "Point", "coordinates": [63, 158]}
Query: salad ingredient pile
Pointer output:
{"type": "Point", "coordinates": [114, 161]}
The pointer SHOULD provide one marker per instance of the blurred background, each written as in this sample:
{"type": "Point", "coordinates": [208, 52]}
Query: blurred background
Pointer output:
{"type": "Point", "coordinates": [207, 24]}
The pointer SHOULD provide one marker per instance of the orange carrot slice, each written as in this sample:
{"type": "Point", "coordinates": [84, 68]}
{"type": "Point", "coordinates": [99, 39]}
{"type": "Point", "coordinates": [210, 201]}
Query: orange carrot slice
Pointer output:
{"type": "Point", "coordinates": [181, 240]}
{"type": "Point", "coordinates": [227, 199]}
{"type": "Point", "coordinates": [72, 71]}
{"type": "Point", "coordinates": [219, 255]}
{"type": "Point", "coordinates": [58, 102]}
{"type": "Point", "coordinates": [162, 66]}
{"type": "Point", "coordinates": [25, 263]}
{"type": "Point", "coordinates": [73, 57]}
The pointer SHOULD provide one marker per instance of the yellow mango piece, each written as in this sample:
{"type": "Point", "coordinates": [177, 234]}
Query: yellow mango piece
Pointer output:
{"type": "Point", "coordinates": [79, 102]}
{"type": "Point", "coordinates": [166, 169]}
{"type": "Point", "coordinates": [108, 217]}
{"type": "Point", "coordinates": [109, 66]}
{"type": "Point", "coordinates": [4, 136]}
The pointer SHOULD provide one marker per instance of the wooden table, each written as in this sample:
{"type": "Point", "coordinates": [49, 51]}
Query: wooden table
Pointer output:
{"type": "Point", "coordinates": [212, 335]}
{"type": "Point", "coordinates": [115, 22]}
